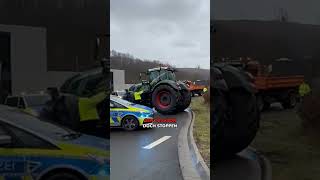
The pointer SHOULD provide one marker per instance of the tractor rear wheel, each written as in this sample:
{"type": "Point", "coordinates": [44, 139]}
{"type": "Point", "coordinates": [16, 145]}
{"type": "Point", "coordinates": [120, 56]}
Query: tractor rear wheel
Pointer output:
{"type": "Point", "coordinates": [164, 99]}
{"type": "Point", "coordinates": [184, 101]}
{"type": "Point", "coordinates": [235, 124]}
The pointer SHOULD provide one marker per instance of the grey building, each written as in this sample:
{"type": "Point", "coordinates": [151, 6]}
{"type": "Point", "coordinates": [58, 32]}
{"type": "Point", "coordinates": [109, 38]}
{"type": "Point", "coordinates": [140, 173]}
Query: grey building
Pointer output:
{"type": "Point", "coordinates": [42, 42]}
{"type": "Point", "coordinates": [118, 82]}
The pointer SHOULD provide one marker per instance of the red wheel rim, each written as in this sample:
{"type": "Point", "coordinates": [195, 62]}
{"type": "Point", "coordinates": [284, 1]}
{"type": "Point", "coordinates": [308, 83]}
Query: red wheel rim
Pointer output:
{"type": "Point", "coordinates": [163, 99]}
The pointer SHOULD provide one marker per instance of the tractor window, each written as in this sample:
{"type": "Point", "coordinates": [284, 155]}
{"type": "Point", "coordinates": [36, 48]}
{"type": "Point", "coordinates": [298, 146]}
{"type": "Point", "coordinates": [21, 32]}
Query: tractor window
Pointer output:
{"type": "Point", "coordinates": [95, 85]}
{"type": "Point", "coordinates": [67, 83]}
{"type": "Point", "coordinates": [75, 86]}
{"type": "Point", "coordinates": [171, 76]}
{"type": "Point", "coordinates": [167, 75]}
{"type": "Point", "coordinates": [72, 88]}
{"type": "Point", "coordinates": [153, 75]}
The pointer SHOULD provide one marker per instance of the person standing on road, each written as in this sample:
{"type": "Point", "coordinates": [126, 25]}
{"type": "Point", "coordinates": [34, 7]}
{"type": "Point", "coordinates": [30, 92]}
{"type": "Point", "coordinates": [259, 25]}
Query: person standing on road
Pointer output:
{"type": "Point", "coordinates": [304, 89]}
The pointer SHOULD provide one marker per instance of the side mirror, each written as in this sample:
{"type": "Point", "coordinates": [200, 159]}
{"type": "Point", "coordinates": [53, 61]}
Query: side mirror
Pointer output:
{"type": "Point", "coordinates": [5, 140]}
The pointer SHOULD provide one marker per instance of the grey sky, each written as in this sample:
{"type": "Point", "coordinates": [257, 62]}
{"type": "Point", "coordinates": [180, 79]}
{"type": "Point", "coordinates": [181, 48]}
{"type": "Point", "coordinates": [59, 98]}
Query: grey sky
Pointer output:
{"type": "Point", "coordinates": [175, 31]}
{"type": "Point", "coordinates": [302, 11]}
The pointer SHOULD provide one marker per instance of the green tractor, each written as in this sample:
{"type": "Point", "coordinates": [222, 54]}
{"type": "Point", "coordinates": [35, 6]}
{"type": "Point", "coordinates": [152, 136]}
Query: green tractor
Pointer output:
{"type": "Point", "coordinates": [80, 103]}
{"type": "Point", "coordinates": [160, 90]}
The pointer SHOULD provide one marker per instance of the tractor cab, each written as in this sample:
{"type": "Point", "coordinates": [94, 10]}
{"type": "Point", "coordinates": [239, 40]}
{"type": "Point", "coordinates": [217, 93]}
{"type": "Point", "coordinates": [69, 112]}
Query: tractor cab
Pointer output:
{"type": "Point", "coordinates": [155, 75]}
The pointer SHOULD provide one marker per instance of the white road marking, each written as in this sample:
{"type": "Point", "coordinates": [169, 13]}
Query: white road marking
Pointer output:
{"type": "Point", "coordinates": [157, 142]}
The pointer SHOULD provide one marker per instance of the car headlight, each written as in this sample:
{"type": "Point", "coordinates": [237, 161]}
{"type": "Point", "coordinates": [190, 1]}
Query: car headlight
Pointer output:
{"type": "Point", "coordinates": [104, 170]}
{"type": "Point", "coordinates": [146, 115]}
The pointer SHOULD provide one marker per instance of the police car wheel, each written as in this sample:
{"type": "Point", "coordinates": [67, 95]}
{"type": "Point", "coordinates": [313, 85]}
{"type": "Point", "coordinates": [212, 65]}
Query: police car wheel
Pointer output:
{"type": "Point", "coordinates": [130, 123]}
{"type": "Point", "coordinates": [63, 176]}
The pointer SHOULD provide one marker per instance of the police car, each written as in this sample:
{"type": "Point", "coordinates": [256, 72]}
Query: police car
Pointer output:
{"type": "Point", "coordinates": [119, 94]}
{"type": "Point", "coordinates": [34, 149]}
{"type": "Point", "coordinates": [30, 103]}
{"type": "Point", "coordinates": [128, 115]}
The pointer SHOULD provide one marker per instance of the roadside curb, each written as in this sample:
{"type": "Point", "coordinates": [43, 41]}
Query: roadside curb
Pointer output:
{"type": "Point", "coordinates": [192, 164]}
{"type": "Point", "coordinates": [265, 165]}
{"type": "Point", "coordinates": [201, 166]}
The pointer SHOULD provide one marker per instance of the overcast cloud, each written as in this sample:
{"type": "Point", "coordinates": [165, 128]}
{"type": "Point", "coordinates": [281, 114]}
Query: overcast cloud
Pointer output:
{"type": "Point", "coordinates": [175, 31]}
{"type": "Point", "coordinates": [306, 11]}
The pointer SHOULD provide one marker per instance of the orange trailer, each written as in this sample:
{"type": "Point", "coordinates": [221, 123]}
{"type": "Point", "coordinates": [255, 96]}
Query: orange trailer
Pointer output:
{"type": "Point", "coordinates": [271, 88]}
{"type": "Point", "coordinates": [196, 87]}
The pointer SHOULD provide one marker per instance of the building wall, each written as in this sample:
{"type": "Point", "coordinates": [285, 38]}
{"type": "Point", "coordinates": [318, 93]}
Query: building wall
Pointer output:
{"type": "Point", "coordinates": [29, 63]}
{"type": "Point", "coordinates": [50, 39]}
{"type": "Point", "coordinates": [71, 28]}
{"type": "Point", "coordinates": [119, 80]}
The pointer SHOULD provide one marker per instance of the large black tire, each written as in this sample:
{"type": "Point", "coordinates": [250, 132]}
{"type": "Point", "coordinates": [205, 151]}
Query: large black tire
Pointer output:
{"type": "Point", "coordinates": [164, 99]}
{"type": "Point", "coordinates": [64, 176]}
{"type": "Point", "coordinates": [236, 122]}
{"type": "Point", "coordinates": [219, 118]}
{"type": "Point", "coordinates": [184, 101]}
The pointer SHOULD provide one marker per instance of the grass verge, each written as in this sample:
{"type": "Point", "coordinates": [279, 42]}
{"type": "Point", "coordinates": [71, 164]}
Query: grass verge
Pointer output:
{"type": "Point", "coordinates": [201, 129]}
{"type": "Point", "coordinates": [293, 152]}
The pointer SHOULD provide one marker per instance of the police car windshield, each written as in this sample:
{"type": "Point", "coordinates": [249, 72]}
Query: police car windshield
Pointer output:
{"type": "Point", "coordinates": [36, 100]}
{"type": "Point", "coordinates": [41, 127]}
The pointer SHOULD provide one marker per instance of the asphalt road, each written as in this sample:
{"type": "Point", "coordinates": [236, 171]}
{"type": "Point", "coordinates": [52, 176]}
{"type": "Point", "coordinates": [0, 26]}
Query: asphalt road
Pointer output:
{"type": "Point", "coordinates": [131, 161]}
{"type": "Point", "coordinates": [245, 165]}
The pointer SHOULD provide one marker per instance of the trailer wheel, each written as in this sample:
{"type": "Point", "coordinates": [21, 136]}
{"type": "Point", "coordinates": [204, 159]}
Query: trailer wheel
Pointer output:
{"type": "Point", "coordinates": [291, 101]}
{"type": "Point", "coordinates": [164, 99]}
{"type": "Point", "coordinates": [262, 104]}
